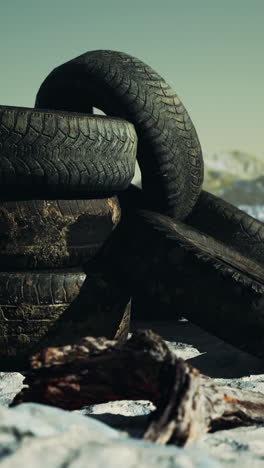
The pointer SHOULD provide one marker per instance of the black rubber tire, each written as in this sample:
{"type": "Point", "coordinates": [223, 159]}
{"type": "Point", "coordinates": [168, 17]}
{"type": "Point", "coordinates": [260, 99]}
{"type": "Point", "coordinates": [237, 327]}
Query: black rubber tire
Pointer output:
{"type": "Point", "coordinates": [169, 152]}
{"type": "Point", "coordinates": [158, 257]}
{"type": "Point", "coordinates": [228, 224]}
{"type": "Point", "coordinates": [53, 153]}
{"type": "Point", "coordinates": [189, 274]}
{"type": "Point", "coordinates": [31, 303]}
{"type": "Point", "coordinates": [215, 217]}
{"type": "Point", "coordinates": [54, 233]}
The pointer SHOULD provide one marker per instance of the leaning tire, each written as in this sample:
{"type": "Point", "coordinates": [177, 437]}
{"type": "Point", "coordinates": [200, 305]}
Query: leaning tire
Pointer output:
{"type": "Point", "coordinates": [64, 154]}
{"type": "Point", "coordinates": [54, 233]}
{"type": "Point", "coordinates": [32, 304]}
{"type": "Point", "coordinates": [169, 152]}
{"type": "Point", "coordinates": [229, 225]}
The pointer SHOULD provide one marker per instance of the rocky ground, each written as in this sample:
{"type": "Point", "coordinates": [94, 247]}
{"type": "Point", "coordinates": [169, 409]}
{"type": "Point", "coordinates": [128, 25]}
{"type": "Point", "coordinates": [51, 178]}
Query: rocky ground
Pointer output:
{"type": "Point", "coordinates": [108, 435]}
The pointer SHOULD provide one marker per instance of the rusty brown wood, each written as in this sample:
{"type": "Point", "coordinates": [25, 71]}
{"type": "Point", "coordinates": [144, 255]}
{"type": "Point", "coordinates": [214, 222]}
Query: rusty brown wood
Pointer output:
{"type": "Point", "coordinates": [188, 403]}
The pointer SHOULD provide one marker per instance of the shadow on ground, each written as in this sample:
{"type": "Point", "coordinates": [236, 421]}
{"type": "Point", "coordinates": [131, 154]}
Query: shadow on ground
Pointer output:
{"type": "Point", "coordinates": [208, 353]}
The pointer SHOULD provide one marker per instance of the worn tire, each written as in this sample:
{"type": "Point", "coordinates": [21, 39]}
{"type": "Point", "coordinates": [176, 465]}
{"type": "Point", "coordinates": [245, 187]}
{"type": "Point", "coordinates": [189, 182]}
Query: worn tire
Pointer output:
{"type": "Point", "coordinates": [215, 217]}
{"type": "Point", "coordinates": [55, 153]}
{"type": "Point", "coordinates": [228, 224]}
{"type": "Point", "coordinates": [32, 303]}
{"type": "Point", "coordinates": [54, 233]}
{"type": "Point", "coordinates": [169, 152]}
{"type": "Point", "coordinates": [155, 257]}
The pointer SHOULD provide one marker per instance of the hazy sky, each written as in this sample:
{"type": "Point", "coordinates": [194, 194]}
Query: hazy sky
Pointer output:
{"type": "Point", "coordinates": [209, 51]}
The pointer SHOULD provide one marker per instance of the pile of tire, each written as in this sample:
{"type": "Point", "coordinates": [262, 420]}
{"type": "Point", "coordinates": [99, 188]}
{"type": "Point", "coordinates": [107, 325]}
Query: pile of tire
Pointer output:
{"type": "Point", "coordinates": [61, 170]}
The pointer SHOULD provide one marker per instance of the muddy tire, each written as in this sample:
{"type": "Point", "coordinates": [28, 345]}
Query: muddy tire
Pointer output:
{"type": "Point", "coordinates": [54, 233]}
{"type": "Point", "coordinates": [52, 153]}
{"type": "Point", "coordinates": [169, 152]}
{"type": "Point", "coordinates": [34, 304]}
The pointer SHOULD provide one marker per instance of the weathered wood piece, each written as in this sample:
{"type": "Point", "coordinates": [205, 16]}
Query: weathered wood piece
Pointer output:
{"type": "Point", "coordinates": [98, 370]}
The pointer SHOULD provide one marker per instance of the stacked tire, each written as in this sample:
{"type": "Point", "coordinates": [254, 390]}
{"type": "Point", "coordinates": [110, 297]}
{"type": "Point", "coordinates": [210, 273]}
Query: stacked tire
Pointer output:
{"type": "Point", "coordinates": [61, 169]}
{"type": "Point", "coordinates": [59, 175]}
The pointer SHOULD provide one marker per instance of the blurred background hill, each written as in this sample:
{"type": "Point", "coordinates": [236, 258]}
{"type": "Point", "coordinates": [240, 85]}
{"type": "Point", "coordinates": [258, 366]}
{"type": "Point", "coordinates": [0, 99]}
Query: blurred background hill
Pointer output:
{"type": "Point", "coordinates": [236, 176]}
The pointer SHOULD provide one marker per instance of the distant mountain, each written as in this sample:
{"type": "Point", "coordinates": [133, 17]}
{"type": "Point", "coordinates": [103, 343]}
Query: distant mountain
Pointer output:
{"type": "Point", "coordinates": [236, 176]}
{"type": "Point", "coordinates": [246, 192]}
{"type": "Point", "coordinates": [237, 163]}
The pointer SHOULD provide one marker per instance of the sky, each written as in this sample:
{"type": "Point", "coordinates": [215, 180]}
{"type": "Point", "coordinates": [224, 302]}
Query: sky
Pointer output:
{"type": "Point", "coordinates": [210, 52]}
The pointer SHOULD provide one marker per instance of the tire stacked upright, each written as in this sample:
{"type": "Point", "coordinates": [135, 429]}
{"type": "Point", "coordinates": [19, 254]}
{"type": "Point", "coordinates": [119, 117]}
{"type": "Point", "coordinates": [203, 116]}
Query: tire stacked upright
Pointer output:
{"type": "Point", "coordinates": [59, 173]}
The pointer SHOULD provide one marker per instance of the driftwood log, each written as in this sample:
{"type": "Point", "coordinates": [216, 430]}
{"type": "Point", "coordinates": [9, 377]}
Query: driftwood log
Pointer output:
{"type": "Point", "coordinates": [98, 370]}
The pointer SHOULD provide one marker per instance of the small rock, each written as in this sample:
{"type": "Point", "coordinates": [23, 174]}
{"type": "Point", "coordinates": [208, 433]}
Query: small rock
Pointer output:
{"type": "Point", "coordinates": [10, 384]}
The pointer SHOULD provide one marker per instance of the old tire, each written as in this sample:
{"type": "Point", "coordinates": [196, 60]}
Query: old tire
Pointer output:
{"type": "Point", "coordinates": [214, 217]}
{"type": "Point", "coordinates": [60, 154]}
{"type": "Point", "coordinates": [32, 304]}
{"type": "Point", "coordinates": [156, 257]}
{"type": "Point", "coordinates": [54, 233]}
{"type": "Point", "coordinates": [169, 152]}
{"type": "Point", "coordinates": [229, 225]}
